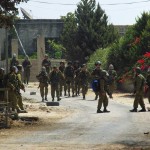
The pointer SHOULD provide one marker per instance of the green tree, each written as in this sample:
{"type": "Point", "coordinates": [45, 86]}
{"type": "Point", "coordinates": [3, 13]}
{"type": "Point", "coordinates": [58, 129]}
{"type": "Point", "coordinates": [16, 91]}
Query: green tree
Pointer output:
{"type": "Point", "coordinates": [8, 12]}
{"type": "Point", "coordinates": [86, 30]}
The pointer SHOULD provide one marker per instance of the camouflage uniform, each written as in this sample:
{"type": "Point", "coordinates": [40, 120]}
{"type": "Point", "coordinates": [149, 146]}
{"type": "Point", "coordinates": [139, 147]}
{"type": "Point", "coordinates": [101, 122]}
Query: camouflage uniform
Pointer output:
{"type": "Point", "coordinates": [69, 77]}
{"type": "Point", "coordinates": [112, 80]}
{"type": "Point", "coordinates": [102, 93]}
{"type": "Point", "coordinates": [84, 76]}
{"type": "Point", "coordinates": [54, 78]}
{"type": "Point", "coordinates": [26, 66]}
{"type": "Point", "coordinates": [14, 61]}
{"type": "Point", "coordinates": [43, 79]}
{"type": "Point", "coordinates": [77, 81]}
{"type": "Point", "coordinates": [139, 91]}
{"type": "Point", "coordinates": [62, 82]}
{"type": "Point", "coordinates": [47, 64]}
{"type": "Point", "coordinates": [96, 74]}
{"type": "Point", "coordinates": [1, 83]}
{"type": "Point", "coordinates": [148, 84]}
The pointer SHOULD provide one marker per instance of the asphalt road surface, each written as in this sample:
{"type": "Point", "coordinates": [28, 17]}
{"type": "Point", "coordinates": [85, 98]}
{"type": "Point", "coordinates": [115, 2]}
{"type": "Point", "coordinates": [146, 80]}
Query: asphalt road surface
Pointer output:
{"type": "Point", "coordinates": [85, 129]}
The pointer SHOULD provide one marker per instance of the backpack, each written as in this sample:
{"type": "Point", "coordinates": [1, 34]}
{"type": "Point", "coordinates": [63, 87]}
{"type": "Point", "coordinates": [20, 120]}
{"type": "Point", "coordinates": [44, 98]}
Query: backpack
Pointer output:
{"type": "Point", "coordinates": [95, 85]}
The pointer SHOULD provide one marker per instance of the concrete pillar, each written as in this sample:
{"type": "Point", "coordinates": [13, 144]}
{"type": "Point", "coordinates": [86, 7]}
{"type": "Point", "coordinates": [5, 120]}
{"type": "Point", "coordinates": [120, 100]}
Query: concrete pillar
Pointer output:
{"type": "Point", "coordinates": [40, 50]}
{"type": "Point", "coordinates": [14, 46]}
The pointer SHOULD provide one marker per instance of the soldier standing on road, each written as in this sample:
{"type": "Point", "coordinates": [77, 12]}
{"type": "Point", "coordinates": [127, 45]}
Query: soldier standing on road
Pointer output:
{"type": "Point", "coordinates": [84, 76]}
{"type": "Point", "coordinates": [62, 82]}
{"type": "Point", "coordinates": [77, 69]}
{"type": "Point", "coordinates": [54, 78]}
{"type": "Point", "coordinates": [43, 85]}
{"type": "Point", "coordinates": [26, 66]}
{"type": "Point", "coordinates": [103, 99]}
{"type": "Point", "coordinates": [46, 63]}
{"type": "Point", "coordinates": [14, 61]}
{"type": "Point", "coordinates": [139, 91]}
{"type": "Point", "coordinates": [69, 77]}
{"type": "Point", "coordinates": [96, 75]}
{"type": "Point", "coordinates": [148, 83]}
{"type": "Point", "coordinates": [20, 86]}
{"type": "Point", "coordinates": [112, 79]}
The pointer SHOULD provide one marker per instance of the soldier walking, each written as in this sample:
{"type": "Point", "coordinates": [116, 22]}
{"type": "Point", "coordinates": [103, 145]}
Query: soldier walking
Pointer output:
{"type": "Point", "coordinates": [139, 91]}
{"type": "Point", "coordinates": [14, 61]}
{"type": "Point", "coordinates": [112, 79]}
{"type": "Point", "coordinates": [148, 84]}
{"type": "Point", "coordinates": [69, 77]}
{"type": "Point", "coordinates": [46, 63]}
{"type": "Point", "coordinates": [103, 99]}
{"type": "Point", "coordinates": [26, 66]}
{"type": "Point", "coordinates": [84, 76]}
{"type": "Point", "coordinates": [62, 83]}
{"type": "Point", "coordinates": [43, 83]}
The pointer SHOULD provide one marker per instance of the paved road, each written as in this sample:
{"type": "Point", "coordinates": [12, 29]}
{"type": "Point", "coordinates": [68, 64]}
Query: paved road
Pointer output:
{"type": "Point", "coordinates": [87, 129]}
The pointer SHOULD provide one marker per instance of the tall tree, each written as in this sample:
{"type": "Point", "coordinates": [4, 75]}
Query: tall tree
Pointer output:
{"type": "Point", "coordinates": [8, 12]}
{"type": "Point", "coordinates": [91, 30]}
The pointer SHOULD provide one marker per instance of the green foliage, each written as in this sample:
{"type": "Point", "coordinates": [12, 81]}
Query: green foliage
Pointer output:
{"type": "Point", "coordinates": [99, 55]}
{"type": "Point", "coordinates": [58, 49]}
{"type": "Point", "coordinates": [8, 12]}
{"type": "Point", "coordinates": [86, 30]}
{"type": "Point", "coordinates": [31, 56]}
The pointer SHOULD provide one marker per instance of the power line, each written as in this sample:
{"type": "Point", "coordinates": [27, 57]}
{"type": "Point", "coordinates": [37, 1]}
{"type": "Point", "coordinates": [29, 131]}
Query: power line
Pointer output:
{"type": "Point", "coordinates": [110, 4]}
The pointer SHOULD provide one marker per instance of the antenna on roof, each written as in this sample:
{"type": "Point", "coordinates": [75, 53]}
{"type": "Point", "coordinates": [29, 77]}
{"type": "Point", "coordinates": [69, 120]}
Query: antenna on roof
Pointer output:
{"type": "Point", "coordinates": [26, 14]}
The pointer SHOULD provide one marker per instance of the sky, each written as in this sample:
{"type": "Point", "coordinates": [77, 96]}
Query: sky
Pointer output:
{"type": "Point", "coordinates": [119, 12]}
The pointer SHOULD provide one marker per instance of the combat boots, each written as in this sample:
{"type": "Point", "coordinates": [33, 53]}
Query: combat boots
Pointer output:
{"type": "Point", "coordinates": [106, 111]}
{"type": "Point", "coordinates": [99, 111]}
{"type": "Point", "coordinates": [142, 110]}
{"type": "Point", "coordinates": [133, 110]}
{"type": "Point", "coordinates": [46, 99]}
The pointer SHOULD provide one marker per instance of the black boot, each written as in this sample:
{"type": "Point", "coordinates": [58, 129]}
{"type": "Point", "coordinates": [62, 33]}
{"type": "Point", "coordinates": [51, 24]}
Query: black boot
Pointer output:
{"type": "Point", "coordinates": [106, 111]}
{"type": "Point", "coordinates": [84, 97]}
{"type": "Point", "coordinates": [58, 99]}
{"type": "Point", "coordinates": [99, 111]}
{"type": "Point", "coordinates": [133, 110]}
{"type": "Point", "coordinates": [142, 110]}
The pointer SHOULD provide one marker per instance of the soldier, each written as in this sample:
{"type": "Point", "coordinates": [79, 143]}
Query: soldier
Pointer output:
{"type": "Point", "coordinates": [69, 77]}
{"type": "Point", "coordinates": [102, 93]}
{"type": "Point", "coordinates": [2, 72]}
{"type": "Point", "coordinates": [12, 84]}
{"type": "Point", "coordinates": [26, 66]}
{"type": "Point", "coordinates": [112, 79]}
{"type": "Point", "coordinates": [20, 86]}
{"type": "Point", "coordinates": [43, 83]}
{"type": "Point", "coordinates": [77, 69]}
{"type": "Point", "coordinates": [62, 82]}
{"type": "Point", "coordinates": [54, 78]}
{"type": "Point", "coordinates": [84, 76]}
{"type": "Point", "coordinates": [148, 84]}
{"type": "Point", "coordinates": [96, 75]}
{"type": "Point", "coordinates": [14, 61]}
{"type": "Point", "coordinates": [46, 63]}
{"type": "Point", "coordinates": [139, 91]}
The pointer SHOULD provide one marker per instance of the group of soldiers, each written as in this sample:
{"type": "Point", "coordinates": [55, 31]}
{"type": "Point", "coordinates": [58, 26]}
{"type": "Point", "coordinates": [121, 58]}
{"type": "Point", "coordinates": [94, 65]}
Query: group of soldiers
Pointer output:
{"type": "Point", "coordinates": [73, 78]}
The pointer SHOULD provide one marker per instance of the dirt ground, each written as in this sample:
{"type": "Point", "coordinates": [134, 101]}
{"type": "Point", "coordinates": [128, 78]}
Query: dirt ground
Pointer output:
{"type": "Point", "coordinates": [48, 116]}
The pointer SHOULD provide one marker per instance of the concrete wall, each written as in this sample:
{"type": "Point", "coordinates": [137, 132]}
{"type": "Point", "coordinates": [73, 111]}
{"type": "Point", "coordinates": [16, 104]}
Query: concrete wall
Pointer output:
{"type": "Point", "coordinates": [30, 30]}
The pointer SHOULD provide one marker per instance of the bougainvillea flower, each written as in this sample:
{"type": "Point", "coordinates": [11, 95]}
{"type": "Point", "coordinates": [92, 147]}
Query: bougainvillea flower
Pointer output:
{"type": "Point", "coordinates": [147, 55]}
{"type": "Point", "coordinates": [141, 61]}
{"type": "Point", "coordinates": [143, 67]}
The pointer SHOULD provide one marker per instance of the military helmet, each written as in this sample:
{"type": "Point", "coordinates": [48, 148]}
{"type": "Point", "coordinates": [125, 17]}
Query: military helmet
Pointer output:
{"type": "Point", "coordinates": [138, 70]}
{"type": "Point", "coordinates": [14, 55]}
{"type": "Point", "coordinates": [43, 68]}
{"type": "Point", "coordinates": [97, 63]}
{"type": "Point", "coordinates": [62, 62]}
{"type": "Point", "coordinates": [104, 73]}
{"type": "Point", "coordinates": [46, 55]}
{"type": "Point", "coordinates": [111, 67]}
{"type": "Point", "coordinates": [83, 65]}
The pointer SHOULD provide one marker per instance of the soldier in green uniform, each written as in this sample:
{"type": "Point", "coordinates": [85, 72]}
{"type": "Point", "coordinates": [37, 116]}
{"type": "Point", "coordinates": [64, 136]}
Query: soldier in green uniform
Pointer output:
{"type": "Point", "coordinates": [46, 63]}
{"type": "Point", "coordinates": [84, 76]}
{"type": "Point", "coordinates": [148, 84]}
{"type": "Point", "coordinates": [26, 66]}
{"type": "Point", "coordinates": [14, 61]}
{"type": "Point", "coordinates": [77, 69]}
{"type": "Point", "coordinates": [96, 74]}
{"type": "Point", "coordinates": [112, 79]}
{"type": "Point", "coordinates": [139, 91]}
{"type": "Point", "coordinates": [62, 82]}
{"type": "Point", "coordinates": [69, 77]}
{"type": "Point", "coordinates": [54, 79]}
{"type": "Point", "coordinates": [20, 87]}
{"type": "Point", "coordinates": [43, 83]}
{"type": "Point", "coordinates": [12, 84]}
{"type": "Point", "coordinates": [103, 99]}
{"type": "Point", "coordinates": [2, 72]}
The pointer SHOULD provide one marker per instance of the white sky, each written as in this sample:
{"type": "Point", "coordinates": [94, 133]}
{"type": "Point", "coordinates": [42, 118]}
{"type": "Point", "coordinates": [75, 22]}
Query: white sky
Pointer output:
{"type": "Point", "coordinates": [124, 14]}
